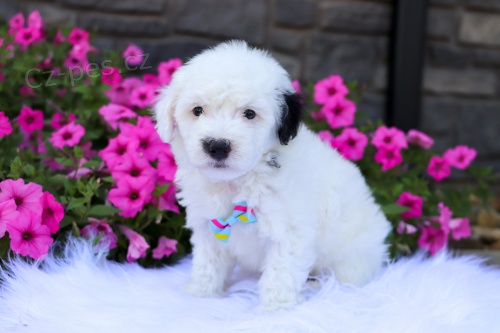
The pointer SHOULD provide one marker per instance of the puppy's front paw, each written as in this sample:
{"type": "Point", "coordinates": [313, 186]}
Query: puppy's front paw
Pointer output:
{"type": "Point", "coordinates": [202, 290]}
{"type": "Point", "coordinates": [280, 303]}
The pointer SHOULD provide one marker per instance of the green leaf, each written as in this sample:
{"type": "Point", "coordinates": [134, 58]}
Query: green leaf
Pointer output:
{"type": "Point", "coordinates": [91, 164]}
{"type": "Point", "coordinates": [57, 179]}
{"type": "Point", "coordinates": [397, 189]}
{"type": "Point", "coordinates": [16, 168]}
{"type": "Point", "coordinates": [102, 210]}
{"type": "Point", "coordinates": [109, 179]}
{"type": "Point", "coordinates": [394, 209]}
{"type": "Point", "coordinates": [160, 189]}
{"type": "Point", "coordinates": [29, 170]}
{"type": "Point", "coordinates": [75, 230]}
{"type": "Point", "coordinates": [75, 203]}
{"type": "Point", "coordinates": [67, 220]}
{"type": "Point", "coordinates": [65, 161]}
{"type": "Point", "coordinates": [78, 152]}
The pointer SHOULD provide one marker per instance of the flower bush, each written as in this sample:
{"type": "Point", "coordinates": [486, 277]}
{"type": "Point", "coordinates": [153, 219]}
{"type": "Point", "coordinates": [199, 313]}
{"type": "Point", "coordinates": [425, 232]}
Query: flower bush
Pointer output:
{"type": "Point", "coordinates": [403, 173]}
{"type": "Point", "coordinates": [79, 153]}
{"type": "Point", "coordinates": [79, 150]}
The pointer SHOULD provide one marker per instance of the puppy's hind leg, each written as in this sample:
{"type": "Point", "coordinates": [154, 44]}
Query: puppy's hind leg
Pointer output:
{"type": "Point", "coordinates": [360, 262]}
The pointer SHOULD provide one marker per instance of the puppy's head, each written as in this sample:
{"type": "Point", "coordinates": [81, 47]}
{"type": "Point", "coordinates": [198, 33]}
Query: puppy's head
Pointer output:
{"type": "Point", "coordinates": [226, 108]}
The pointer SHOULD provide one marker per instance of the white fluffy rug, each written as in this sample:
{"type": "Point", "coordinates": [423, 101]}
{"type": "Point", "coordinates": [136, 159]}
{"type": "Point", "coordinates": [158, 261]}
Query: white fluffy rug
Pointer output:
{"type": "Point", "coordinates": [85, 293]}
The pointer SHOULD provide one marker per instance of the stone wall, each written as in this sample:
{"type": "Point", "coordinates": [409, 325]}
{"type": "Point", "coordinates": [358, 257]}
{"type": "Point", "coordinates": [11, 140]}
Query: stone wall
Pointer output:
{"type": "Point", "coordinates": [461, 82]}
{"type": "Point", "coordinates": [314, 38]}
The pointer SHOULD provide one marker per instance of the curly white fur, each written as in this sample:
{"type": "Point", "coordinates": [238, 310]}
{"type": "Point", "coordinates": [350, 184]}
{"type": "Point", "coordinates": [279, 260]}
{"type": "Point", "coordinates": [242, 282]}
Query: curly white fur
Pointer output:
{"type": "Point", "coordinates": [83, 293]}
{"type": "Point", "coordinates": [315, 212]}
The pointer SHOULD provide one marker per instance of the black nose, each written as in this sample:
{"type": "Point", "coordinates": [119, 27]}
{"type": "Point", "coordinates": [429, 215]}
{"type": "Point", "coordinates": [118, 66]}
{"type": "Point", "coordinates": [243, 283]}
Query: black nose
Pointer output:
{"type": "Point", "coordinates": [218, 149]}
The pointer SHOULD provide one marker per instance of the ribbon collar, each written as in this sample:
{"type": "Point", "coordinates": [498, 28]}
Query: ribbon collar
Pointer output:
{"type": "Point", "coordinates": [222, 228]}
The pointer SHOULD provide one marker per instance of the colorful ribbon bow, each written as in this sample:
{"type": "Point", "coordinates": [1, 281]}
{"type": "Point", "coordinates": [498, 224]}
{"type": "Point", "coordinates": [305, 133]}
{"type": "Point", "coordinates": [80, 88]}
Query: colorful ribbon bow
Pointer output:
{"type": "Point", "coordinates": [222, 228]}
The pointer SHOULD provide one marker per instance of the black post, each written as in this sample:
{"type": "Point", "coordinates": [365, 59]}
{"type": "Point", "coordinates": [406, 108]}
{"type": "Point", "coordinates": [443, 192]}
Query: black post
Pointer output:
{"type": "Point", "coordinates": [406, 62]}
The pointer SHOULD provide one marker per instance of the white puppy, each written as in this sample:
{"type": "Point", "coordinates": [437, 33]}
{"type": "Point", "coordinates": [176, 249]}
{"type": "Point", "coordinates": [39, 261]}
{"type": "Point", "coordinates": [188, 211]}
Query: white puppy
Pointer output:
{"type": "Point", "coordinates": [234, 123]}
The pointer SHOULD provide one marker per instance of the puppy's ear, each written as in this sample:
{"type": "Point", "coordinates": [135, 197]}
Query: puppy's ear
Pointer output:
{"type": "Point", "coordinates": [291, 117]}
{"type": "Point", "coordinates": [163, 112]}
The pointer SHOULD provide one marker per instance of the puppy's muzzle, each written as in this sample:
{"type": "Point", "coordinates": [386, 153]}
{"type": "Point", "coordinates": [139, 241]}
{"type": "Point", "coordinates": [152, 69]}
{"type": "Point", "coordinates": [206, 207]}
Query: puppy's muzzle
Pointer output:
{"type": "Point", "coordinates": [218, 149]}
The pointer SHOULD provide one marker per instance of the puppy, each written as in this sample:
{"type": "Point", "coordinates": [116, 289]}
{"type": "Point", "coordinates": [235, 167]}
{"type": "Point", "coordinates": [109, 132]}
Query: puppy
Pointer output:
{"type": "Point", "coordinates": [233, 121]}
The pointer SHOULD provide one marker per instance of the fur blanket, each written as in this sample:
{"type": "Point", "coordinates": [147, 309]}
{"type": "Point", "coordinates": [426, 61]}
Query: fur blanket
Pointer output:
{"type": "Point", "coordinates": [85, 293]}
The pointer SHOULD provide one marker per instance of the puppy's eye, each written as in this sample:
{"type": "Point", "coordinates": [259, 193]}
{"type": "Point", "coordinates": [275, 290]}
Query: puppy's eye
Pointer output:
{"type": "Point", "coordinates": [197, 111]}
{"type": "Point", "coordinates": [250, 114]}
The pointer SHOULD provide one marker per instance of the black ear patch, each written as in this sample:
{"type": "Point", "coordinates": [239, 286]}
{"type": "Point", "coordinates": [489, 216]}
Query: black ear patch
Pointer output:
{"type": "Point", "coordinates": [291, 117]}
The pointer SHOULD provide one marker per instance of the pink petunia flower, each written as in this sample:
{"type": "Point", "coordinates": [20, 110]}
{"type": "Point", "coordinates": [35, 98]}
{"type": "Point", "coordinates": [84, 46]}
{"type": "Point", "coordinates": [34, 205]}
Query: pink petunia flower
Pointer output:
{"type": "Point", "coordinates": [167, 69]}
{"type": "Point", "coordinates": [35, 20]}
{"type": "Point", "coordinates": [59, 120]}
{"type": "Point", "coordinates": [29, 237]}
{"type": "Point", "coordinates": [53, 212]}
{"type": "Point", "coordinates": [131, 83]}
{"type": "Point", "coordinates": [117, 147]}
{"type": "Point", "coordinates": [165, 248]}
{"type": "Point", "coordinates": [438, 168]}
{"type": "Point", "coordinates": [143, 123]}
{"type": "Point", "coordinates": [81, 171]}
{"type": "Point", "coordinates": [83, 49]}
{"type": "Point", "coordinates": [27, 36]}
{"type": "Point", "coordinates": [115, 114]}
{"type": "Point", "coordinates": [59, 92]}
{"type": "Point", "coordinates": [151, 79]}
{"type": "Point", "coordinates": [26, 91]}
{"type": "Point", "coordinates": [77, 60]}
{"type": "Point", "coordinates": [328, 88]}
{"type": "Point", "coordinates": [131, 194]}
{"type": "Point", "coordinates": [339, 112]}
{"type": "Point", "coordinates": [133, 55]}
{"type": "Point", "coordinates": [69, 135]}
{"type": "Point", "coordinates": [432, 239]}
{"type": "Point", "coordinates": [58, 38]}
{"type": "Point", "coordinates": [326, 136]}
{"type": "Point", "coordinates": [134, 166]}
{"type": "Point", "coordinates": [103, 229]}
{"type": "Point", "coordinates": [142, 96]}
{"type": "Point", "coordinates": [5, 126]}
{"type": "Point", "coordinates": [150, 144]}
{"type": "Point", "coordinates": [137, 244]}
{"type": "Point", "coordinates": [388, 137]}
{"type": "Point", "coordinates": [406, 228]}
{"type": "Point", "coordinates": [318, 115]}
{"type": "Point", "coordinates": [26, 196]}
{"type": "Point", "coordinates": [16, 23]}
{"type": "Point", "coordinates": [46, 63]}
{"type": "Point", "coordinates": [351, 144]}
{"type": "Point", "coordinates": [118, 94]}
{"type": "Point", "coordinates": [413, 202]}
{"type": "Point", "coordinates": [166, 166]}
{"type": "Point", "coordinates": [34, 142]}
{"type": "Point", "coordinates": [78, 36]}
{"type": "Point", "coordinates": [296, 86]}
{"type": "Point", "coordinates": [30, 120]}
{"type": "Point", "coordinates": [388, 157]}
{"type": "Point", "coordinates": [167, 200]}
{"type": "Point", "coordinates": [460, 157]}
{"type": "Point", "coordinates": [444, 217]}
{"type": "Point", "coordinates": [460, 228]}
{"type": "Point", "coordinates": [111, 76]}
{"type": "Point", "coordinates": [8, 214]}
{"type": "Point", "coordinates": [420, 139]}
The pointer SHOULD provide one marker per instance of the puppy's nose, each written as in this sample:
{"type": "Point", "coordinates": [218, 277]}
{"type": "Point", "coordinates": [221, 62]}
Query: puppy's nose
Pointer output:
{"type": "Point", "coordinates": [219, 149]}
